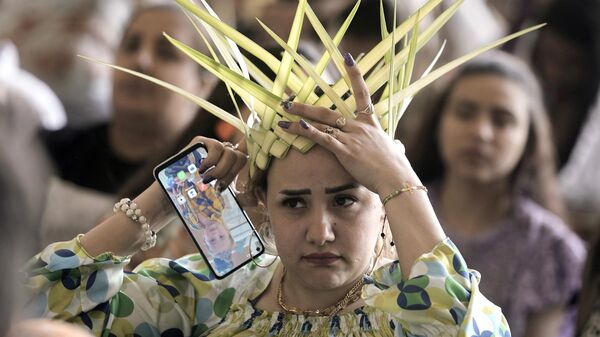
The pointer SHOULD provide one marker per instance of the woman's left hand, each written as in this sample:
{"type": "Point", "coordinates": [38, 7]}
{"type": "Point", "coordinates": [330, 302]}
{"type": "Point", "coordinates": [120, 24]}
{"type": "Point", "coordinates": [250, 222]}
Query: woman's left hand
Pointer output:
{"type": "Point", "coordinates": [360, 144]}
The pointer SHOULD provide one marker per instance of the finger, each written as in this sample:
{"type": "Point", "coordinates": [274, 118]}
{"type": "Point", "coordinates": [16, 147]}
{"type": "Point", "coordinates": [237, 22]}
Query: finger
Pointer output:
{"type": "Point", "coordinates": [362, 96]}
{"type": "Point", "coordinates": [239, 163]}
{"type": "Point", "coordinates": [315, 132]}
{"type": "Point", "coordinates": [315, 113]}
{"type": "Point", "coordinates": [214, 149]}
{"type": "Point", "coordinates": [223, 167]}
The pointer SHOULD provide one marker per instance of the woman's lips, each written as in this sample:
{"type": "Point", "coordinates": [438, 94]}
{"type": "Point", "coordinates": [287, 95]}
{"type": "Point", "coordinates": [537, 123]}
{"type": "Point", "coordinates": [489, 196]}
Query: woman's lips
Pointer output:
{"type": "Point", "coordinates": [321, 259]}
{"type": "Point", "coordinates": [475, 156]}
{"type": "Point", "coordinates": [135, 87]}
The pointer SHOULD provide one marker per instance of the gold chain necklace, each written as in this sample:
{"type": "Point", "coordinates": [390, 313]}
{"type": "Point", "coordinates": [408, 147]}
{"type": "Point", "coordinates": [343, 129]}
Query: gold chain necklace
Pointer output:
{"type": "Point", "coordinates": [351, 296]}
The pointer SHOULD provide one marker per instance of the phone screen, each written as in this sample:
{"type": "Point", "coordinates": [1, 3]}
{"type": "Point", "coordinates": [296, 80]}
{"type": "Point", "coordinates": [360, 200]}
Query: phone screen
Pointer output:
{"type": "Point", "coordinates": [216, 222]}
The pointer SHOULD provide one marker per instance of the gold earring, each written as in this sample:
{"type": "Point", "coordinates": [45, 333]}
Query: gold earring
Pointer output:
{"type": "Point", "coordinates": [262, 225]}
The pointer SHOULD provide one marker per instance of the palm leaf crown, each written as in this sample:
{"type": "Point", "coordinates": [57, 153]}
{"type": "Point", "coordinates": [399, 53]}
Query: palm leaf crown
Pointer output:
{"type": "Point", "coordinates": [388, 71]}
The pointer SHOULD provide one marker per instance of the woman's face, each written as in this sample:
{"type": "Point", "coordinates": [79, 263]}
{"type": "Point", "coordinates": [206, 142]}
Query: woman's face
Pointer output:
{"type": "Point", "coordinates": [140, 104]}
{"type": "Point", "coordinates": [483, 128]}
{"type": "Point", "coordinates": [217, 237]}
{"type": "Point", "coordinates": [325, 225]}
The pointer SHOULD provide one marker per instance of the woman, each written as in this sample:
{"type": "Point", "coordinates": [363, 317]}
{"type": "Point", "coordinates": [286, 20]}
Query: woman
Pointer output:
{"type": "Point", "coordinates": [146, 117]}
{"type": "Point", "coordinates": [491, 171]}
{"type": "Point", "coordinates": [326, 218]}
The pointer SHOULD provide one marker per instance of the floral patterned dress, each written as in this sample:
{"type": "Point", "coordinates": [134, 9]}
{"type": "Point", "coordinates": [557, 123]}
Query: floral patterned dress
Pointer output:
{"type": "Point", "coordinates": [181, 298]}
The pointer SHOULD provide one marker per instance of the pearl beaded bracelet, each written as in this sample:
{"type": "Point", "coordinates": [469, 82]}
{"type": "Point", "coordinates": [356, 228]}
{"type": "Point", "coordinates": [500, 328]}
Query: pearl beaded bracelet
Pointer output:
{"type": "Point", "coordinates": [134, 213]}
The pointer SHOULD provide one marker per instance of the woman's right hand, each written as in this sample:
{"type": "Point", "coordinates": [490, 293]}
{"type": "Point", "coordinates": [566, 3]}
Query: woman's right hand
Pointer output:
{"type": "Point", "coordinates": [223, 163]}
{"type": "Point", "coordinates": [122, 236]}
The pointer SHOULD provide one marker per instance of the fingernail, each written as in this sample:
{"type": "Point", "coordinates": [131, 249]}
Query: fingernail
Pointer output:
{"type": "Point", "coordinates": [286, 104]}
{"type": "Point", "coordinates": [284, 124]}
{"type": "Point", "coordinates": [304, 124]}
{"type": "Point", "coordinates": [318, 91]}
{"type": "Point", "coordinates": [207, 180]}
{"type": "Point", "coordinates": [349, 59]}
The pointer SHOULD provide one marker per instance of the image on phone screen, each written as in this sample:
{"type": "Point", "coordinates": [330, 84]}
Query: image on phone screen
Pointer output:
{"type": "Point", "coordinates": [216, 222]}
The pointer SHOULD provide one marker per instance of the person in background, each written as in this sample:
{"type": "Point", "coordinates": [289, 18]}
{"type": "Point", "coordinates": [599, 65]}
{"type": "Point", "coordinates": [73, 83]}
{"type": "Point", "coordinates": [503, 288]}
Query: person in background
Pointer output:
{"type": "Point", "coordinates": [145, 116]}
{"type": "Point", "coordinates": [50, 34]}
{"type": "Point", "coordinates": [566, 57]}
{"type": "Point", "coordinates": [485, 152]}
{"type": "Point", "coordinates": [567, 64]}
{"type": "Point", "coordinates": [43, 101]}
{"type": "Point", "coordinates": [23, 185]}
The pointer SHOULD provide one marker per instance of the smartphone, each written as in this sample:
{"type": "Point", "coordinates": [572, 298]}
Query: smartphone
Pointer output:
{"type": "Point", "coordinates": [215, 220]}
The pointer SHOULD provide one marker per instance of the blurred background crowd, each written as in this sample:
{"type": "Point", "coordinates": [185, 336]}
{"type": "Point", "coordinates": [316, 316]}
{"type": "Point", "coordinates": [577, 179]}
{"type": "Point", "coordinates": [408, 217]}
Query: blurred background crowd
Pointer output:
{"type": "Point", "coordinates": [507, 144]}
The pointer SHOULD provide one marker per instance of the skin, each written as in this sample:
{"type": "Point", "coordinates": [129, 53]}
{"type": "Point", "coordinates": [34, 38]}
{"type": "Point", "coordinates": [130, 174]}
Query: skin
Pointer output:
{"type": "Point", "coordinates": [46, 328]}
{"type": "Point", "coordinates": [484, 129]}
{"type": "Point", "coordinates": [217, 237]}
{"type": "Point", "coordinates": [339, 217]}
{"type": "Point", "coordinates": [366, 154]}
{"type": "Point", "coordinates": [147, 116]}
{"type": "Point", "coordinates": [482, 137]}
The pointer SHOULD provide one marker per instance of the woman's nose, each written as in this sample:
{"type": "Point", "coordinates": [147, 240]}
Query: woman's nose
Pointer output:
{"type": "Point", "coordinates": [482, 128]}
{"type": "Point", "coordinates": [320, 229]}
{"type": "Point", "coordinates": [143, 60]}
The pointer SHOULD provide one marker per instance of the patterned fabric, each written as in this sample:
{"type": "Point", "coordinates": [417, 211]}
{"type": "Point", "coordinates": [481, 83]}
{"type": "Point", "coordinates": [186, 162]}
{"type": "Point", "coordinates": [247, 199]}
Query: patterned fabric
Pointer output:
{"type": "Point", "coordinates": [528, 262]}
{"type": "Point", "coordinates": [180, 298]}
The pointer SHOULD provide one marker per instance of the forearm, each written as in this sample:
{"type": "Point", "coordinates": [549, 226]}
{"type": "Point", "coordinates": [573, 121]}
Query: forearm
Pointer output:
{"type": "Point", "coordinates": [123, 236]}
{"type": "Point", "coordinates": [413, 222]}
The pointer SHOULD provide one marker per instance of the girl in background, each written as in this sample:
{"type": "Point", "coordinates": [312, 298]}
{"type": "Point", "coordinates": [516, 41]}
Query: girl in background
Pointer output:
{"type": "Point", "coordinates": [485, 152]}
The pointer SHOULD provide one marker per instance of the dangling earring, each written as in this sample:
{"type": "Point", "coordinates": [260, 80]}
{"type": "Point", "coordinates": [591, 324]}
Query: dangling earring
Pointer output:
{"type": "Point", "coordinates": [383, 232]}
{"type": "Point", "coordinates": [264, 224]}
{"type": "Point", "coordinates": [383, 237]}
{"type": "Point", "coordinates": [380, 249]}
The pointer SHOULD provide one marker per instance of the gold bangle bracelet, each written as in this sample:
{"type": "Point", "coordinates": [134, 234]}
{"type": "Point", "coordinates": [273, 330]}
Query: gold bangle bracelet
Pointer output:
{"type": "Point", "coordinates": [399, 191]}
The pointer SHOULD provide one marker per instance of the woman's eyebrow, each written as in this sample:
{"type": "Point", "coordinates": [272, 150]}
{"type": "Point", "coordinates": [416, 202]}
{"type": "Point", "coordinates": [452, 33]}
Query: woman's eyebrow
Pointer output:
{"type": "Point", "coordinates": [340, 188]}
{"type": "Point", "coordinates": [295, 192]}
{"type": "Point", "coordinates": [328, 190]}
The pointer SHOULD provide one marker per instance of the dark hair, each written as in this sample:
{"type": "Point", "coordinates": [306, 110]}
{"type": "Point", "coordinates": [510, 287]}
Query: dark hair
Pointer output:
{"type": "Point", "coordinates": [576, 22]}
{"type": "Point", "coordinates": [366, 21]}
{"type": "Point", "coordinates": [535, 174]}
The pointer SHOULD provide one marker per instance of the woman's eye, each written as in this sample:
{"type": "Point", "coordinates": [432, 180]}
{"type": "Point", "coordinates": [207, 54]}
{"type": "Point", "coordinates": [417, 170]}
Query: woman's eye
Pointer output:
{"type": "Point", "coordinates": [344, 201]}
{"type": "Point", "coordinates": [464, 113]}
{"type": "Point", "coordinates": [131, 44]}
{"type": "Point", "coordinates": [293, 203]}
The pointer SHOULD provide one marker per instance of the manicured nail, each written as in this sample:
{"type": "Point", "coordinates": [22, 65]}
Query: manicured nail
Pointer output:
{"type": "Point", "coordinates": [284, 124]}
{"type": "Point", "coordinates": [286, 104]}
{"type": "Point", "coordinates": [349, 60]}
{"type": "Point", "coordinates": [207, 180]}
{"type": "Point", "coordinates": [304, 124]}
{"type": "Point", "coordinates": [318, 91]}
